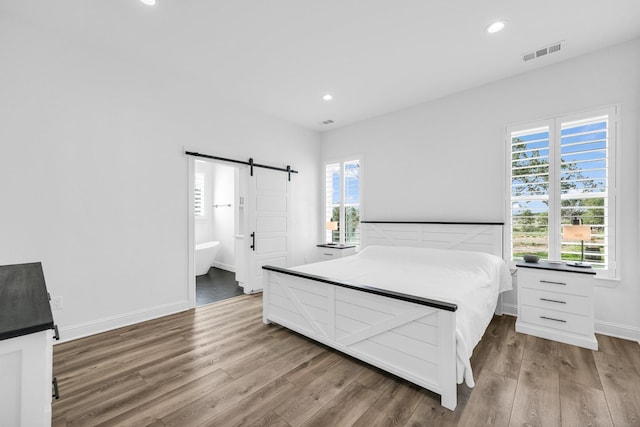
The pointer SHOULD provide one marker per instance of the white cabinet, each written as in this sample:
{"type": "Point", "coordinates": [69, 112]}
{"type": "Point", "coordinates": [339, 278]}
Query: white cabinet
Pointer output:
{"type": "Point", "coordinates": [26, 347]}
{"type": "Point", "coordinates": [326, 252]}
{"type": "Point", "coordinates": [25, 379]}
{"type": "Point", "coordinates": [556, 302]}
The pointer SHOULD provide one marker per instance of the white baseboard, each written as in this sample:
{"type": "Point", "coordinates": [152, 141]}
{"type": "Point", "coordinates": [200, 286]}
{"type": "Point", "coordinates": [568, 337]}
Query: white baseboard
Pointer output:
{"type": "Point", "coordinates": [226, 267]}
{"type": "Point", "coordinates": [81, 330]}
{"type": "Point", "coordinates": [69, 333]}
{"type": "Point", "coordinates": [617, 330]}
{"type": "Point", "coordinates": [510, 309]}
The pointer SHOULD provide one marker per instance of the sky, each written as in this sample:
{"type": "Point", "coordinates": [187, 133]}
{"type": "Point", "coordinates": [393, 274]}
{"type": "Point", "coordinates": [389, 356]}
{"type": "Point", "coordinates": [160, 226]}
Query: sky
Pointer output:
{"type": "Point", "coordinates": [583, 145]}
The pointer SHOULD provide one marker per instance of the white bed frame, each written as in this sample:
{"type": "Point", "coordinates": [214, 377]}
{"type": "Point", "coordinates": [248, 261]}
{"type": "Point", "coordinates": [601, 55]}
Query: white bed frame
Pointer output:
{"type": "Point", "coordinates": [413, 338]}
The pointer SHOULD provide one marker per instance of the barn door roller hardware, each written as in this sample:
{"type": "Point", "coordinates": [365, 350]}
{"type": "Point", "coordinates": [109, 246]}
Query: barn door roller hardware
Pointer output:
{"type": "Point", "coordinates": [250, 163]}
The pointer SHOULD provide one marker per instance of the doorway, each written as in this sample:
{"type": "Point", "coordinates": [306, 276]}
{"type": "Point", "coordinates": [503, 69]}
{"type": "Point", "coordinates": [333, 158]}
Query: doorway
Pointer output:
{"type": "Point", "coordinates": [262, 210]}
{"type": "Point", "coordinates": [216, 231]}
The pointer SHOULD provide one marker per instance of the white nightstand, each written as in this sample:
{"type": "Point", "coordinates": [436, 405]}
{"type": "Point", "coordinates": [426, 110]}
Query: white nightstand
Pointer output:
{"type": "Point", "coordinates": [335, 251]}
{"type": "Point", "coordinates": [555, 301]}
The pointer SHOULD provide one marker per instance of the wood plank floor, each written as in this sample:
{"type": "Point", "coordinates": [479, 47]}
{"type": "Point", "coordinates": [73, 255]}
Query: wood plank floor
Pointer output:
{"type": "Point", "coordinates": [218, 365]}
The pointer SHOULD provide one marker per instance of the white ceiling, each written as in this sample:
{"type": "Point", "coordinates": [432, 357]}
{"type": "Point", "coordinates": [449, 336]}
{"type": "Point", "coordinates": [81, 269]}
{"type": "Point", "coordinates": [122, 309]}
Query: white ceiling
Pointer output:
{"type": "Point", "coordinates": [374, 56]}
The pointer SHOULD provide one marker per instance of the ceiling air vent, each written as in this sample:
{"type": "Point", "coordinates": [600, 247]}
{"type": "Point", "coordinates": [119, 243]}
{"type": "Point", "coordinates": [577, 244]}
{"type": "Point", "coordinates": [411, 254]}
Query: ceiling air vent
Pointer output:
{"type": "Point", "coordinates": [555, 48]}
{"type": "Point", "coordinates": [327, 122]}
{"type": "Point", "coordinates": [542, 51]}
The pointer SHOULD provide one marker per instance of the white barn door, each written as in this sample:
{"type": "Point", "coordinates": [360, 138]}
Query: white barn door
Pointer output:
{"type": "Point", "coordinates": [269, 223]}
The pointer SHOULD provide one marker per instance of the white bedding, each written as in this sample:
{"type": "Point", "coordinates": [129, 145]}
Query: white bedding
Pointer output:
{"type": "Point", "coordinates": [471, 280]}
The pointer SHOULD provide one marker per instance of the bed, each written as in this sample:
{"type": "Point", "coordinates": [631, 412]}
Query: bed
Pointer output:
{"type": "Point", "coordinates": [377, 306]}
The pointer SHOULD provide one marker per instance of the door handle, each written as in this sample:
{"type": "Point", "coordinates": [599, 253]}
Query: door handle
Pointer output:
{"type": "Point", "coordinates": [253, 241]}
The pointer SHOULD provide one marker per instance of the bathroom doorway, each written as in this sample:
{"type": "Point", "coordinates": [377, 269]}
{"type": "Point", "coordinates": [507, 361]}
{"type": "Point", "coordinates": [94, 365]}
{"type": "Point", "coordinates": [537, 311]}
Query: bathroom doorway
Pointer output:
{"type": "Point", "coordinates": [218, 223]}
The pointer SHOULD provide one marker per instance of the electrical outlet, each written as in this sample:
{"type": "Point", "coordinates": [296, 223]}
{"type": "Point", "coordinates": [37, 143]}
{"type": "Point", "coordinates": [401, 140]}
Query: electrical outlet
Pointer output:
{"type": "Point", "coordinates": [56, 303]}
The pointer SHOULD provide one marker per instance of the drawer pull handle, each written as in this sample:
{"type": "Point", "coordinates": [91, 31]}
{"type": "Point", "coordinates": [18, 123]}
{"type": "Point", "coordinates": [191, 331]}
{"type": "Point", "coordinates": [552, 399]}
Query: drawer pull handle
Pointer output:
{"type": "Point", "coordinates": [553, 300]}
{"type": "Point", "coordinates": [56, 390]}
{"type": "Point", "coordinates": [56, 335]}
{"type": "Point", "coordinates": [551, 318]}
{"type": "Point", "coordinates": [327, 254]}
{"type": "Point", "coordinates": [553, 283]}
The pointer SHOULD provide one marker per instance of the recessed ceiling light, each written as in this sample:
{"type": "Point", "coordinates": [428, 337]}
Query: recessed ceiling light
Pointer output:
{"type": "Point", "coordinates": [495, 27]}
{"type": "Point", "coordinates": [149, 2]}
{"type": "Point", "coordinates": [327, 97]}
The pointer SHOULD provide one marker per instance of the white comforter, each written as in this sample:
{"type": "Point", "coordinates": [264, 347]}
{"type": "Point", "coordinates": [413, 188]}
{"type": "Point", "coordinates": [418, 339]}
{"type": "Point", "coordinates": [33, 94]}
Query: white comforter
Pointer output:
{"type": "Point", "coordinates": [472, 280]}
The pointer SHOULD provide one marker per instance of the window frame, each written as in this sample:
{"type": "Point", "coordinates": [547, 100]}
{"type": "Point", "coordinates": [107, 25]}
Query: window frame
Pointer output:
{"type": "Point", "coordinates": [554, 192]}
{"type": "Point", "coordinates": [342, 211]}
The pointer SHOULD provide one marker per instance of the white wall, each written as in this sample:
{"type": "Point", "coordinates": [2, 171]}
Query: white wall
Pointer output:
{"type": "Point", "coordinates": [218, 223]}
{"type": "Point", "coordinates": [223, 217]}
{"type": "Point", "coordinates": [445, 160]}
{"type": "Point", "coordinates": [93, 180]}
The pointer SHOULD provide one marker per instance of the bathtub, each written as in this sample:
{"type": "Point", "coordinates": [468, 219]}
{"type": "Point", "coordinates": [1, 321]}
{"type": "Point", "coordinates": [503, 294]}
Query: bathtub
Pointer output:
{"type": "Point", "coordinates": [205, 254]}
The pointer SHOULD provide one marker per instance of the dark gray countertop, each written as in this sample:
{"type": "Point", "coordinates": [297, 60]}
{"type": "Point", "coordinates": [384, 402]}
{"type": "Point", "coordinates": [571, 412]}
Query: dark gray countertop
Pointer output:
{"type": "Point", "coordinates": [546, 265]}
{"type": "Point", "coordinates": [24, 301]}
{"type": "Point", "coordinates": [335, 246]}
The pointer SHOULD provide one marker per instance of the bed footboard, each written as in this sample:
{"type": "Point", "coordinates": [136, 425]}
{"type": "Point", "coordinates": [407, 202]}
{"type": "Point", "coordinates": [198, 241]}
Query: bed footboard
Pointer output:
{"type": "Point", "coordinates": [413, 340]}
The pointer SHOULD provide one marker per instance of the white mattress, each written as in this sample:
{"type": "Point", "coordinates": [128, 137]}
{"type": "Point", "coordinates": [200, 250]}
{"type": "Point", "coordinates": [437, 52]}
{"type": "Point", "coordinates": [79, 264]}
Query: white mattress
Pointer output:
{"type": "Point", "coordinates": [471, 280]}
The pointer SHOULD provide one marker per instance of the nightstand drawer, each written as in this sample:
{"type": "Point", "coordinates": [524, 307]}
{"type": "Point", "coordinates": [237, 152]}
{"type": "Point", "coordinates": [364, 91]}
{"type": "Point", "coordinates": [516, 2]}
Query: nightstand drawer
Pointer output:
{"type": "Point", "coordinates": [335, 251]}
{"type": "Point", "coordinates": [557, 320]}
{"type": "Point", "coordinates": [329, 254]}
{"type": "Point", "coordinates": [576, 304]}
{"type": "Point", "coordinates": [555, 282]}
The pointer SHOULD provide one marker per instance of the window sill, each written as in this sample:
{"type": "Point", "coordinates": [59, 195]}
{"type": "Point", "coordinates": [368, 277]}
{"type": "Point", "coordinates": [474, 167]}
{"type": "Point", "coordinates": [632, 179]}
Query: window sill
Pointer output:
{"type": "Point", "coordinates": [607, 282]}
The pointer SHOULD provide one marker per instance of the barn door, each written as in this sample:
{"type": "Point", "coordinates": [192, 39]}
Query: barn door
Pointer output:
{"type": "Point", "coordinates": [269, 223]}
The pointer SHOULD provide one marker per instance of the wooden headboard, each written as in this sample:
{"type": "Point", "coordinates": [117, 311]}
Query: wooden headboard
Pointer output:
{"type": "Point", "coordinates": [467, 236]}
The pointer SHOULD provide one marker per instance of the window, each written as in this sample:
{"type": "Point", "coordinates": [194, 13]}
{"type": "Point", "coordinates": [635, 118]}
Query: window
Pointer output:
{"type": "Point", "coordinates": [343, 202]}
{"type": "Point", "coordinates": [561, 171]}
{"type": "Point", "coordinates": [199, 195]}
